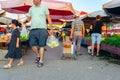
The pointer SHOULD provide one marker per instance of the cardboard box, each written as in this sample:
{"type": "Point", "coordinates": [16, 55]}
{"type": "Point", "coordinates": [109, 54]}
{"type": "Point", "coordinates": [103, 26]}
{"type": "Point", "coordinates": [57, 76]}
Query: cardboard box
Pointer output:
{"type": "Point", "coordinates": [67, 50]}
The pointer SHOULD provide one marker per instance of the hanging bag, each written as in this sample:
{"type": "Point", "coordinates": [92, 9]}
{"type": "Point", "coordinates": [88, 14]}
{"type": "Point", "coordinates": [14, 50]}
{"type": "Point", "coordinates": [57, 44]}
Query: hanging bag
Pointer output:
{"type": "Point", "coordinates": [24, 34]}
{"type": "Point", "coordinates": [52, 41]}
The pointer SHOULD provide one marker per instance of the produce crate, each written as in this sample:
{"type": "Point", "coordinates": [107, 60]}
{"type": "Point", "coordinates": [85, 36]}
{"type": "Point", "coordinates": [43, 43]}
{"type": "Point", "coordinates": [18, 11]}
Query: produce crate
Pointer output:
{"type": "Point", "coordinates": [67, 50]}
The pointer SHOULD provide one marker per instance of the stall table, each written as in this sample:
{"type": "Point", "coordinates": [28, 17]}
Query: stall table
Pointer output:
{"type": "Point", "coordinates": [3, 49]}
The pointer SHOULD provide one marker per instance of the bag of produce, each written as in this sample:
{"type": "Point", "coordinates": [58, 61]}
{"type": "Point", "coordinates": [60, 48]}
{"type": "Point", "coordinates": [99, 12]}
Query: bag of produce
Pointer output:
{"type": "Point", "coordinates": [24, 34]}
{"type": "Point", "coordinates": [52, 41]}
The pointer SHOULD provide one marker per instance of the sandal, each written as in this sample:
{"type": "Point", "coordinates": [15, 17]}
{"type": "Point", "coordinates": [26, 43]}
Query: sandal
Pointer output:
{"type": "Point", "coordinates": [20, 63]}
{"type": "Point", "coordinates": [8, 66]}
{"type": "Point", "coordinates": [92, 54]}
{"type": "Point", "coordinates": [97, 55]}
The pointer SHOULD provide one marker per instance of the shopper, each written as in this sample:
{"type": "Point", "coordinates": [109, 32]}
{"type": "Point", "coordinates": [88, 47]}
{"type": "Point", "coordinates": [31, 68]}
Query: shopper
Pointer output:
{"type": "Point", "coordinates": [77, 32]}
{"type": "Point", "coordinates": [96, 34]}
{"type": "Point", "coordinates": [38, 14]}
{"type": "Point", "coordinates": [14, 48]}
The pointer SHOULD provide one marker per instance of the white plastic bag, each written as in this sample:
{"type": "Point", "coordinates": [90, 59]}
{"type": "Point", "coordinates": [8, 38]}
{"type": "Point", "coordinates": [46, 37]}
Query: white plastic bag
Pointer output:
{"type": "Point", "coordinates": [24, 34]}
{"type": "Point", "coordinates": [52, 41]}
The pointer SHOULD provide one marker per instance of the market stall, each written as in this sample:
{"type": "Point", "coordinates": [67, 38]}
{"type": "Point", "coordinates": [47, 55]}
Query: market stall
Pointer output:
{"type": "Point", "coordinates": [109, 42]}
{"type": "Point", "coordinates": [110, 32]}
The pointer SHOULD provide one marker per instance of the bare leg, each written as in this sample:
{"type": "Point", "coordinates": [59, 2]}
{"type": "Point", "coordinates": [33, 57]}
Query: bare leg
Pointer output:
{"type": "Point", "coordinates": [41, 53]}
{"type": "Point", "coordinates": [9, 64]}
{"type": "Point", "coordinates": [20, 62]}
{"type": "Point", "coordinates": [92, 49]}
{"type": "Point", "coordinates": [98, 49]}
{"type": "Point", "coordinates": [35, 49]}
{"type": "Point", "coordinates": [11, 61]}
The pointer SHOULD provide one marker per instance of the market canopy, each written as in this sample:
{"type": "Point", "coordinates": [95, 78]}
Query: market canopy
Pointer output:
{"type": "Point", "coordinates": [83, 13]}
{"type": "Point", "coordinates": [58, 10]}
{"type": "Point", "coordinates": [90, 17]}
{"type": "Point", "coordinates": [112, 8]}
{"type": "Point", "coordinates": [99, 12]}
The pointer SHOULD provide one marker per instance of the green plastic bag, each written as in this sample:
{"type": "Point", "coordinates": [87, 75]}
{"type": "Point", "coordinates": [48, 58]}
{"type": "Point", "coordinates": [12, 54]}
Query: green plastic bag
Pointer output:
{"type": "Point", "coordinates": [24, 34]}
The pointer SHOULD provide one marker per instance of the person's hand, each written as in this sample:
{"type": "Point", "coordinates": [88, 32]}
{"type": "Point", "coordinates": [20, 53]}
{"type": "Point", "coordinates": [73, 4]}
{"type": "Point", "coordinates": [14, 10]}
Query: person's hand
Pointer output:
{"type": "Point", "coordinates": [22, 22]}
{"type": "Point", "coordinates": [51, 31]}
{"type": "Point", "coordinates": [17, 46]}
{"type": "Point", "coordinates": [83, 35]}
{"type": "Point", "coordinates": [71, 36]}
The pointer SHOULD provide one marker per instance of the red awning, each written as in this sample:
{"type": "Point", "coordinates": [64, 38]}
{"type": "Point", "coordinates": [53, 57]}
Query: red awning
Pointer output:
{"type": "Point", "coordinates": [58, 9]}
{"type": "Point", "coordinates": [56, 15]}
{"type": "Point", "coordinates": [83, 13]}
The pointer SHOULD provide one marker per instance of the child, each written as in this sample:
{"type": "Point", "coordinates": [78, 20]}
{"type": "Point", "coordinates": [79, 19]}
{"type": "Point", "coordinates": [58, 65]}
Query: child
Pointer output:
{"type": "Point", "coordinates": [14, 49]}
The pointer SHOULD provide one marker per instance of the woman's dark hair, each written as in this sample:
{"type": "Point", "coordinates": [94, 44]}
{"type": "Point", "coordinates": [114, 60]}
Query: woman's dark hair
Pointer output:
{"type": "Point", "coordinates": [98, 17]}
{"type": "Point", "coordinates": [14, 21]}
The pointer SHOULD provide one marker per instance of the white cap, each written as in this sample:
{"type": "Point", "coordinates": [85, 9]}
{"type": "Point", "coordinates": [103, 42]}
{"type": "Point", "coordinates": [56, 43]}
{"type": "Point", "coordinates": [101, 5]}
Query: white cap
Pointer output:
{"type": "Point", "coordinates": [76, 15]}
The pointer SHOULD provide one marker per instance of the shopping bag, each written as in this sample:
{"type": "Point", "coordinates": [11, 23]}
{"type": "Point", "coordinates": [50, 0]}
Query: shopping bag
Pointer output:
{"type": "Point", "coordinates": [52, 41]}
{"type": "Point", "coordinates": [24, 34]}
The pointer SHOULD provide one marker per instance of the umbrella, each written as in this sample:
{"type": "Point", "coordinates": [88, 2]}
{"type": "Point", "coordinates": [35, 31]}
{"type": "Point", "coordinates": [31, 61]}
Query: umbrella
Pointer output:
{"type": "Point", "coordinates": [5, 20]}
{"type": "Point", "coordinates": [58, 10]}
{"type": "Point", "coordinates": [112, 8]}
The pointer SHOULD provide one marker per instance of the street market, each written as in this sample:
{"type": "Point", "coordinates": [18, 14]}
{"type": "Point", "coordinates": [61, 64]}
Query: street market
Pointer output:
{"type": "Point", "coordinates": [61, 48]}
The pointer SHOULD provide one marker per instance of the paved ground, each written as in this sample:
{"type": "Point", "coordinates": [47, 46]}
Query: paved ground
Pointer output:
{"type": "Point", "coordinates": [85, 68]}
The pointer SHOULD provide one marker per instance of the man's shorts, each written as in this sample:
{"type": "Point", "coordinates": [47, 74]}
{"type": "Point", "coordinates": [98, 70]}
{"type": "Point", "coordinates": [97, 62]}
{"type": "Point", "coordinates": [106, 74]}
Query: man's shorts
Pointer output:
{"type": "Point", "coordinates": [96, 38]}
{"type": "Point", "coordinates": [38, 37]}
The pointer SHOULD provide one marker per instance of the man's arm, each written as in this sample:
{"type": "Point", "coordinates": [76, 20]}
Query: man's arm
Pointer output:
{"type": "Point", "coordinates": [50, 23]}
{"type": "Point", "coordinates": [83, 31]}
{"type": "Point", "coordinates": [27, 20]}
{"type": "Point", "coordinates": [71, 33]}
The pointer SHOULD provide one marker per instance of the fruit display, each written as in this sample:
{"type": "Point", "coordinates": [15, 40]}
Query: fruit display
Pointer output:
{"type": "Point", "coordinates": [67, 44]}
{"type": "Point", "coordinates": [5, 38]}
